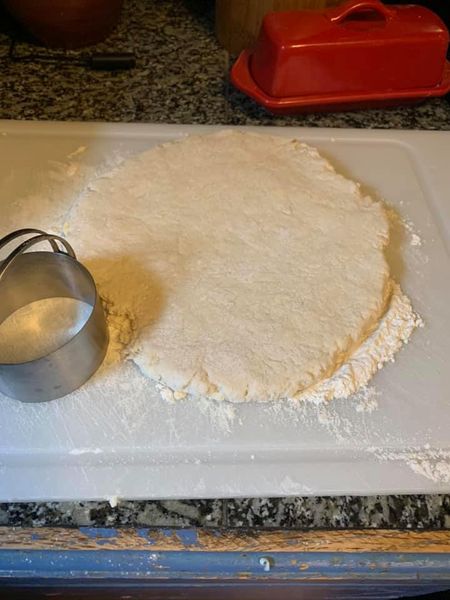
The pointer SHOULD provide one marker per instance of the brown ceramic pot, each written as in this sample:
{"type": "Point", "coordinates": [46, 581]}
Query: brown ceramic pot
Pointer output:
{"type": "Point", "coordinates": [66, 23]}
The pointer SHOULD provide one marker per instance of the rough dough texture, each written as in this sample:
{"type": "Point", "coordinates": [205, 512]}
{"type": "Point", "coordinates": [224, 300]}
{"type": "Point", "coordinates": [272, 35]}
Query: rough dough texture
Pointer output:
{"type": "Point", "coordinates": [251, 268]}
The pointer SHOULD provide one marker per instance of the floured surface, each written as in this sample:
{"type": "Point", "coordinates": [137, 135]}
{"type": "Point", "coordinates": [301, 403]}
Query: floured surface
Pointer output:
{"type": "Point", "coordinates": [117, 437]}
{"type": "Point", "coordinates": [253, 270]}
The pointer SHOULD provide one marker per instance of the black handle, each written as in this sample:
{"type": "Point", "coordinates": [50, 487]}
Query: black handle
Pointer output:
{"type": "Point", "coordinates": [112, 61]}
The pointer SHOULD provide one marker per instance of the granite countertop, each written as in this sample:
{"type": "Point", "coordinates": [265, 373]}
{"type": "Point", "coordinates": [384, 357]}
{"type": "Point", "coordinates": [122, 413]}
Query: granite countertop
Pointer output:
{"type": "Point", "coordinates": [182, 77]}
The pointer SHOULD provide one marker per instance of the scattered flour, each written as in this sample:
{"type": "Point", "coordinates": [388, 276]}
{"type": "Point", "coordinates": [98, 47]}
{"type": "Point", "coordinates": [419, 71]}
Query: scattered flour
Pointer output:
{"type": "Point", "coordinates": [166, 393]}
{"type": "Point", "coordinates": [366, 400]}
{"type": "Point", "coordinates": [113, 501]}
{"type": "Point", "coordinates": [79, 451]}
{"type": "Point", "coordinates": [77, 152]}
{"type": "Point", "coordinates": [415, 240]}
{"type": "Point", "coordinates": [221, 415]}
{"type": "Point", "coordinates": [414, 237]}
{"type": "Point", "coordinates": [432, 464]}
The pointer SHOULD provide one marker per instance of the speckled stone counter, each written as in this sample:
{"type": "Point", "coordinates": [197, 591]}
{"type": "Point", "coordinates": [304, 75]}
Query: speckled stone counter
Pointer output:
{"type": "Point", "coordinates": [182, 77]}
{"type": "Point", "coordinates": [424, 512]}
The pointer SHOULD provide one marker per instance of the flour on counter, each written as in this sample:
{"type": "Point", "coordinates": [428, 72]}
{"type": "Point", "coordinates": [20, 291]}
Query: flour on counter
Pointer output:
{"type": "Point", "coordinates": [222, 416]}
{"type": "Point", "coordinates": [414, 237]}
{"type": "Point", "coordinates": [77, 152]}
{"type": "Point", "coordinates": [366, 399]}
{"type": "Point", "coordinates": [430, 463]}
{"type": "Point", "coordinates": [80, 451]}
{"type": "Point", "coordinates": [113, 501]}
{"type": "Point", "coordinates": [416, 240]}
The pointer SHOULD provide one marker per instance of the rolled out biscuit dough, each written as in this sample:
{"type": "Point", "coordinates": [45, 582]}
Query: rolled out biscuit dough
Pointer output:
{"type": "Point", "coordinates": [252, 269]}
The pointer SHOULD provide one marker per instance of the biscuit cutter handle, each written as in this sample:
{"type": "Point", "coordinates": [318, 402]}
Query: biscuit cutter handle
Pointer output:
{"type": "Point", "coordinates": [40, 236]}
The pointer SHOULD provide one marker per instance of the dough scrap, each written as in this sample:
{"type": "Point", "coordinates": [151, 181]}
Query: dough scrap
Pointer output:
{"type": "Point", "coordinates": [252, 269]}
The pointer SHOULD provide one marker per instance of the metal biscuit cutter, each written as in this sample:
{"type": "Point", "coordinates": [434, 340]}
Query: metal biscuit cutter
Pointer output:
{"type": "Point", "coordinates": [29, 277]}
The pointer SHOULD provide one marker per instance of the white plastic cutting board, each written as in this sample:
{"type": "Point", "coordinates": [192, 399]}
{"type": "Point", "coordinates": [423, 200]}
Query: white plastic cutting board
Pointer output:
{"type": "Point", "coordinates": [126, 441]}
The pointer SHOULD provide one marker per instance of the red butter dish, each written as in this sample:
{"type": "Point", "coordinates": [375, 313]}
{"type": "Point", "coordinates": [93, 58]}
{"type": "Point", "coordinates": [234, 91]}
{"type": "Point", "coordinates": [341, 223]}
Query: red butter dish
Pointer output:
{"type": "Point", "coordinates": [361, 54]}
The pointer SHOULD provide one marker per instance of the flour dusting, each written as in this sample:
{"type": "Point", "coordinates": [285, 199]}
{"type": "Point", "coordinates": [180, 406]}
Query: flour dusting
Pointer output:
{"type": "Point", "coordinates": [430, 463]}
{"type": "Point", "coordinates": [416, 240]}
{"type": "Point", "coordinates": [222, 416]}
{"type": "Point", "coordinates": [366, 399]}
{"type": "Point", "coordinates": [80, 451]}
{"type": "Point", "coordinates": [414, 237]}
{"type": "Point", "coordinates": [77, 152]}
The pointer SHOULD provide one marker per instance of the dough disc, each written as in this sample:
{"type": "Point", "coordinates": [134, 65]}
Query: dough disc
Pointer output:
{"type": "Point", "coordinates": [252, 270]}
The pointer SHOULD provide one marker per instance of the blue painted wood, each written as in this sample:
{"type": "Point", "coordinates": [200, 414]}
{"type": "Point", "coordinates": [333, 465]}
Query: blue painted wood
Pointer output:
{"type": "Point", "coordinates": [307, 566]}
{"type": "Point", "coordinates": [96, 533]}
{"type": "Point", "coordinates": [98, 561]}
{"type": "Point", "coordinates": [188, 537]}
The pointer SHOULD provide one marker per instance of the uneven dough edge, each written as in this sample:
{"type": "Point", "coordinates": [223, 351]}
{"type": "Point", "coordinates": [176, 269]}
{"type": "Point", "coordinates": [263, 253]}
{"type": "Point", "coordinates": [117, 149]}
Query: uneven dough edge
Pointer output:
{"type": "Point", "coordinates": [380, 346]}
